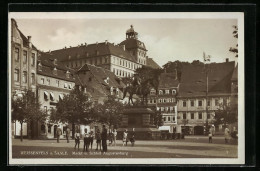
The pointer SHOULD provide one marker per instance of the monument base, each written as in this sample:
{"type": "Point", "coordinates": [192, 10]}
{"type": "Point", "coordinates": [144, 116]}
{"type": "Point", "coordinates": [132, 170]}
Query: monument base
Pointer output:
{"type": "Point", "coordinates": [141, 133]}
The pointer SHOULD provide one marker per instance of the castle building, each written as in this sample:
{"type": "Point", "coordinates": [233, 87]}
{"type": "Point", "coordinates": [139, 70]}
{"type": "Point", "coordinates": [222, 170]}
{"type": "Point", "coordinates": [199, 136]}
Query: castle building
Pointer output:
{"type": "Point", "coordinates": [122, 59]}
{"type": "Point", "coordinates": [192, 112]}
{"type": "Point", "coordinates": [23, 70]}
{"type": "Point", "coordinates": [53, 82]}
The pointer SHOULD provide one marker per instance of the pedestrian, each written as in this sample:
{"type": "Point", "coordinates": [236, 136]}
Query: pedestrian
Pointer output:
{"type": "Point", "coordinates": [110, 137]}
{"type": "Point", "coordinates": [86, 141]}
{"type": "Point", "coordinates": [68, 134]}
{"type": "Point", "coordinates": [104, 139]}
{"type": "Point", "coordinates": [91, 138]}
{"type": "Point", "coordinates": [98, 139]}
{"type": "Point", "coordinates": [77, 139]}
{"type": "Point", "coordinates": [58, 133]}
{"type": "Point", "coordinates": [125, 139]}
{"type": "Point", "coordinates": [226, 133]}
{"type": "Point", "coordinates": [132, 138]}
{"type": "Point", "coordinates": [114, 137]}
{"type": "Point", "coordinates": [210, 135]}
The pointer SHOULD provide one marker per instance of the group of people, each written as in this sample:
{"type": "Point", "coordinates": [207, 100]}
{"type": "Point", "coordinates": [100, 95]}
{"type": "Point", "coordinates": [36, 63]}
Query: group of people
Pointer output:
{"type": "Point", "coordinates": [226, 134]}
{"type": "Point", "coordinates": [101, 138]}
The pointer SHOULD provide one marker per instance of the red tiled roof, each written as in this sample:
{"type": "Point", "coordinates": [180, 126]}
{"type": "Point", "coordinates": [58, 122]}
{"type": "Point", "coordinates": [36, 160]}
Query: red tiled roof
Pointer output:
{"type": "Point", "coordinates": [168, 80]}
{"type": "Point", "coordinates": [133, 43]}
{"type": "Point", "coordinates": [151, 63]}
{"type": "Point", "coordinates": [193, 80]}
{"type": "Point", "coordinates": [91, 50]}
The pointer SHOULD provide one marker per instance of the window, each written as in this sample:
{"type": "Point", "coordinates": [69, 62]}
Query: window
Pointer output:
{"type": "Point", "coordinates": [70, 86]}
{"type": "Point", "coordinates": [42, 80]}
{"type": "Point", "coordinates": [32, 78]}
{"type": "Point", "coordinates": [16, 54]}
{"type": "Point", "coordinates": [192, 116]}
{"type": "Point", "coordinates": [164, 100]}
{"type": "Point", "coordinates": [224, 101]}
{"type": "Point", "coordinates": [200, 103]}
{"type": "Point", "coordinates": [173, 100]}
{"type": "Point", "coordinates": [45, 95]}
{"type": "Point", "coordinates": [173, 91]}
{"type": "Point", "coordinates": [192, 103]}
{"type": "Point", "coordinates": [164, 118]}
{"type": "Point", "coordinates": [200, 115]}
{"type": "Point", "coordinates": [208, 102]}
{"type": "Point", "coordinates": [208, 116]}
{"type": "Point", "coordinates": [65, 85]}
{"type": "Point", "coordinates": [45, 109]}
{"type": "Point", "coordinates": [57, 83]}
{"type": "Point", "coordinates": [216, 102]}
{"type": "Point", "coordinates": [16, 75]}
{"type": "Point", "coordinates": [24, 77]}
{"type": "Point", "coordinates": [48, 81]}
{"type": "Point", "coordinates": [167, 91]}
{"type": "Point", "coordinates": [152, 92]}
{"type": "Point", "coordinates": [33, 59]}
{"type": "Point", "coordinates": [51, 96]}
{"type": "Point", "coordinates": [184, 116]}
{"type": "Point", "coordinates": [184, 103]}
{"type": "Point", "coordinates": [162, 108]}
{"type": "Point", "coordinates": [160, 92]}
{"type": "Point", "coordinates": [24, 57]}
{"type": "Point", "coordinates": [169, 118]}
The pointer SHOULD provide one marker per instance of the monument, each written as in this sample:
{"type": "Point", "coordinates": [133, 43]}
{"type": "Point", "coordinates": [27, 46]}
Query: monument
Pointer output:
{"type": "Point", "coordinates": [138, 118]}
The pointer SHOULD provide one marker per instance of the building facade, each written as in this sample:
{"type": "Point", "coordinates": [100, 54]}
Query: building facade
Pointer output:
{"type": "Point", "coordinates": [196, 108]}
{"type": "Point", "coordinates": [53, 82]}
{"type": "Point", "coordinates": [165, 100]}
{"type": "Point", "coordinates": [23, 70]}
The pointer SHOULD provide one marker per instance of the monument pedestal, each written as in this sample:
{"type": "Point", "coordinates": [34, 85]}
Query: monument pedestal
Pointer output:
{"type": "Point", "coordinates": [140, 119]}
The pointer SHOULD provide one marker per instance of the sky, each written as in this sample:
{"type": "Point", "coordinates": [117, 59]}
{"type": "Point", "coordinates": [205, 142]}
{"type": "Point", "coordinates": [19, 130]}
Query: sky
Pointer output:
{"type": "Point", "coordinates": [165, 39]}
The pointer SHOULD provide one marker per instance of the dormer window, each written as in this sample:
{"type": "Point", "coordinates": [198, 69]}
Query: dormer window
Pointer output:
{"type": "Point", "coordinates": [51, 96]}
{"type": "Point", "coordinates": [67, 74]}
{"type": "Point", "coordinates": [167, 91]}
{"type": "Point", "coordinates": [65, 85]}
{"type": "Point", "coordinates": [40, 67]}
{"type": "Point", "coordinates": [55, 61]}
{"type": "Point", "coordinates": [107, 80]}
{"type": "Point", "coordinates": [160, 92]}
{"type": "Point", "coordinates": [70, 86]}
{"type": "Point", "coordinates": [111, 90]}
{"type": "Point", "coordinates": [173, 92]}
{"type": "Point", "coordinates": [55, 71]}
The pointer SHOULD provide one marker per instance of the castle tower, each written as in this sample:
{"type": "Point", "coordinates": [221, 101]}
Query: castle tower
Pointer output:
{"type": "Point", "coordinates": [135, 47]}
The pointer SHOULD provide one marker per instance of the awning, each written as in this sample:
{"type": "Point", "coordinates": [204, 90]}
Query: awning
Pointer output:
{"type": "Point", "coordinates": [52, 95]}
{"type": "Point", "coordinates": [61, 96]}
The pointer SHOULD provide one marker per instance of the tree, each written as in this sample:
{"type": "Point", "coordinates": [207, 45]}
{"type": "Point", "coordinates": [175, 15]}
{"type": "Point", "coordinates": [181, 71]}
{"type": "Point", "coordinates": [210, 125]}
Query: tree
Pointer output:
{"type": "Point", "coordinates": [225, 115]}
{"type": "Point", "coordinates": [235, 34]}
{"type": "Point", "coordinates": [158, 119]}
{"type": "Point", "coordinates": [27, 109]}
{"type": "Point", "coordinates": [74, 108]}
{"type": "Point", "coordinates": [109, 112]}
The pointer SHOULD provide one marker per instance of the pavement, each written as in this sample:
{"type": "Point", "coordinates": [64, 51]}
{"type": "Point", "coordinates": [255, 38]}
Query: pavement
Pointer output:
{"type": "Point", "coordinates": [190, 147]}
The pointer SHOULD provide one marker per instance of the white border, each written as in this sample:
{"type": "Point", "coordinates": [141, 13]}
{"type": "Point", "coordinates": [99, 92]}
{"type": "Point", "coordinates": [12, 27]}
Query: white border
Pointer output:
{"type": "Point", "coordinates": [143, 15]}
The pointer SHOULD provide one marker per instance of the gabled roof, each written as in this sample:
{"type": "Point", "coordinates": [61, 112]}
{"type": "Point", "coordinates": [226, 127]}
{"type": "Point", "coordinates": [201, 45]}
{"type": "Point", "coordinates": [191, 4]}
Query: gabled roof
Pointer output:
{"type": "Point", "coordinates": [168, 80]}
{"type": "Point", "coordinates": [151, 63]}
{"type": "Point", "coordinates": [133, 43]}
{"type": "Point", "coordinates": [97, 86]}
{"type": "Point", "coordinates": [193, 80]}
{"type": "Point", "coordinates": [91, 50]}
{"type": "Point", "coordinates": [25, 40]}
{"type": "Point", "coordinates": [46, 61]}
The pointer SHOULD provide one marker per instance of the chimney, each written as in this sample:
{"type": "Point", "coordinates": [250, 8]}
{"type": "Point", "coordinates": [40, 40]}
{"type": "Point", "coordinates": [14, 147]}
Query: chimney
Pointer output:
{"type": "Point", "coordinates": [227, 60]}
{"type": "Point", "coordinates": [106, 42]}
{"type": "Point", "coordinates": [86, 44]}
{"type": "Point", "coordinates": [65, 47]}
{"type": "Point", "coordinates": [30, 41]}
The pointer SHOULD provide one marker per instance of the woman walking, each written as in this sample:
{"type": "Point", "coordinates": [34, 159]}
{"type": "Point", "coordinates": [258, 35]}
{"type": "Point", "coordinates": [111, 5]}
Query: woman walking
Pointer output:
{"type": "Point", "coordinates": [114, 137]}
{"type": "Point", "coordinates": [125, 138]}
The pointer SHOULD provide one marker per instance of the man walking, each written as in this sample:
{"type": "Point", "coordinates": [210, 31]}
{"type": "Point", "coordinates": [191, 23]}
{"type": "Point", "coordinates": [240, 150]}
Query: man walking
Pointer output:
{"type": "Point", "coordinates": [68, 134]}
{"type": "Point", "coordinates": [86, 141]}
{"type": "Point", "coordinates": [58, 132]}
{"type": "Point", "coordinates": [104, 139]}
